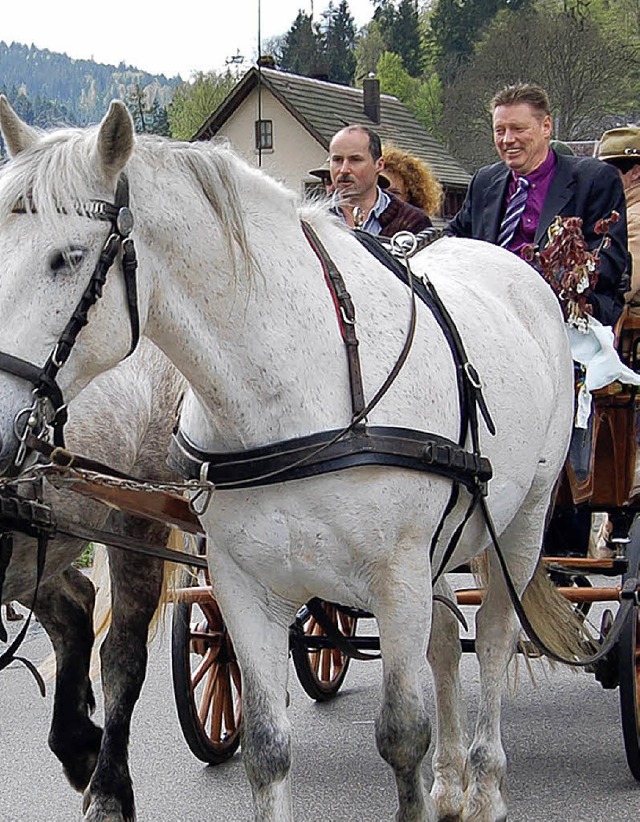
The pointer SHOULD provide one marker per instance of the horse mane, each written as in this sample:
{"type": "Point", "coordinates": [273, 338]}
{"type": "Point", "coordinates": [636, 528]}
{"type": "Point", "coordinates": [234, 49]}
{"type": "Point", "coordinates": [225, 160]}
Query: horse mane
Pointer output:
{"type": "Point", "coordinates": [59, 171]}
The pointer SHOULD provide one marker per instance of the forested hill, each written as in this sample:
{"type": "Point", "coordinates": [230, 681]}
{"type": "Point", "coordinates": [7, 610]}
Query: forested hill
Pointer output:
{"type": "Point", "coordinates": [47, 88]}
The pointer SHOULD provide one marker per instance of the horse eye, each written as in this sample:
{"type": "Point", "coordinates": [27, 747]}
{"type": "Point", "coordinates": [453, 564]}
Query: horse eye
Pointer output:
{"type": "Point", "coordinates": [67, 258]}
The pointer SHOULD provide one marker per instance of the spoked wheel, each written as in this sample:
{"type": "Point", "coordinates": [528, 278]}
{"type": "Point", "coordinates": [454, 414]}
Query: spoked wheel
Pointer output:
{"type": "Point", "coordinates": [206, 676]}
{"type": "Point", "coordinates": [629, 662]}
{"type": "Point", "coordinates": [321, 669]}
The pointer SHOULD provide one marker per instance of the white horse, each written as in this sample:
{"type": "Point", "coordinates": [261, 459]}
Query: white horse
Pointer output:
{"type": "Point", "coordinates": [124, 418]}
{"type": "Point", "coordinates": [230, 289]}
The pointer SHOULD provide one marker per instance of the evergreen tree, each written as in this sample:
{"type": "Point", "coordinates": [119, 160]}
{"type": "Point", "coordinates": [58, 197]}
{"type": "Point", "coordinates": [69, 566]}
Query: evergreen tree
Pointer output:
{"type": "Point", "coordinates": [136, 103]}
{"type": "Point", "coordinates": [404, 36]}
{"type": "Point", "coordinates": [302, 48]}
{"type": "Point", "coordinates": [159, 120]}
{"type": "Point", "coordinates": [23, 107]}
{"type": "Point", "coordinates": [400, 29]}
{"type": "Point", "coordinates": [339, 36]}
{"type": "Point", "coordinates": [457, 25]}
{"type": "Point", "coordinates": [369, 49]}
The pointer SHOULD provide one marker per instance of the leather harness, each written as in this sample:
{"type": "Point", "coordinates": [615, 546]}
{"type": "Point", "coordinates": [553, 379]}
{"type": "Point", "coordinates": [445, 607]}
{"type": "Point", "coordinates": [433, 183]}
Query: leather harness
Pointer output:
{"type": "Point", "coordinates": [357, 443]}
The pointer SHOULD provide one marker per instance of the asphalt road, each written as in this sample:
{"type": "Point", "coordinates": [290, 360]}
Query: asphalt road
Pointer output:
{"type": "Point", "coordinates": [562, 735]}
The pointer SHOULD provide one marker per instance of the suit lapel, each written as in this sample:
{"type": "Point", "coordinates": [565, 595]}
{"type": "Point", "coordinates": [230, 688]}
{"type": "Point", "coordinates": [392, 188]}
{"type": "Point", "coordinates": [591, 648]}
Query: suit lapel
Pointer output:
{"type": "Point", "coordinates": [495, 197]}
{"type": "Point", "coordinates": [560, 192]}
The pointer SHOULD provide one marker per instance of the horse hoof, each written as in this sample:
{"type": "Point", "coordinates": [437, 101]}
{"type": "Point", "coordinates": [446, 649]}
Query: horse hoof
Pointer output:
{"type": "Point", "coordinates": [79, 767]}
{"type": "Point", "coordinates": [101, 809]}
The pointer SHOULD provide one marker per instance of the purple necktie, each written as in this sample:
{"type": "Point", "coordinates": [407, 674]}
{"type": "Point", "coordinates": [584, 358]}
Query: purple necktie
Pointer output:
{"type": "Point", "coordinates": [512, 215]}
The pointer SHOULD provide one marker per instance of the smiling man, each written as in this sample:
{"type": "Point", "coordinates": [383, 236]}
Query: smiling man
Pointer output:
{"type": "Point", "coordinates": [512, 203]}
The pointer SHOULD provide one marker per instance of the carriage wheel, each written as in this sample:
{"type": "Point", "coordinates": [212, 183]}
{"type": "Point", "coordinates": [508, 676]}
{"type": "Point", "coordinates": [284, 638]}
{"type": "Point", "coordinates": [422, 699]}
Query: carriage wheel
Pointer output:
{"type": "Point", "coordinates": [629, 662]}
{"type": "Point", "coordinates": [206, 679]}
{"type": "Point", "coordinates": [321, 671]}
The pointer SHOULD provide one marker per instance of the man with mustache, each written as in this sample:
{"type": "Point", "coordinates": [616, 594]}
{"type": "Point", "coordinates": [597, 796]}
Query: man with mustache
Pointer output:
{"type": "Point", "coordinates": [547, 184]}
{"type": "Point", "coordinates": [356, 165]}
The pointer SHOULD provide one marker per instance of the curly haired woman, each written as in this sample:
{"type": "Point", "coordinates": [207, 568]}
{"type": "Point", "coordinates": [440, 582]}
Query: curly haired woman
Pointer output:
{"type": "Point", "coordinates": [412, 180]}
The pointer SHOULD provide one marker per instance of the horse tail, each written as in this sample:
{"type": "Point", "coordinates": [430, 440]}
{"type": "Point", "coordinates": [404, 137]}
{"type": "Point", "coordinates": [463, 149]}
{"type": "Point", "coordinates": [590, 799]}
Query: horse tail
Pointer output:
{"type": "Point", "coordinates": [552, 616]}
{"type": "Point", "coordinates": [556, 621]}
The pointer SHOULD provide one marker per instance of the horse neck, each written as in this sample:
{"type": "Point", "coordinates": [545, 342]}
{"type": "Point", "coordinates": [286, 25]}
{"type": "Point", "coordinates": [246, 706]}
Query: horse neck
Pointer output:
{"type": "Point", "coordinates": [253, 347]}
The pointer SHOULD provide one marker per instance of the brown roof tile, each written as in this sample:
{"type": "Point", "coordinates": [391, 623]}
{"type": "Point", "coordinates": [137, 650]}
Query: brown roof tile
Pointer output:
{"type": "Point", "coordinates": [323, 108]}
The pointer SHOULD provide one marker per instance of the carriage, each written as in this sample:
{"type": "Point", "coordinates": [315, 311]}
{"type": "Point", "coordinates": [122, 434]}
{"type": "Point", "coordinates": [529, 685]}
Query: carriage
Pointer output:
{"type": "Point", "coordinates": [346, 533]}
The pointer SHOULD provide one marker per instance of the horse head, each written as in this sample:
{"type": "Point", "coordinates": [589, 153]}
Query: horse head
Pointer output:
{"type": "Point", "coordinates": [60, 235]}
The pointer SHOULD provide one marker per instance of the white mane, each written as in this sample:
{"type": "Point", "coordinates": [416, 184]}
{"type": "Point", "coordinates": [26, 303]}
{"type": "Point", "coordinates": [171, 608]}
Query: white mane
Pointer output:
{"type": "Point", "coordinates": [59, 171]}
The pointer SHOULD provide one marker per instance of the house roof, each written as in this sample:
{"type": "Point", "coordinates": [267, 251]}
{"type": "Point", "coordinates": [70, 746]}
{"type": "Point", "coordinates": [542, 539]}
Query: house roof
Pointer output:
{"type": "Point", "coordinates": [324, 108]}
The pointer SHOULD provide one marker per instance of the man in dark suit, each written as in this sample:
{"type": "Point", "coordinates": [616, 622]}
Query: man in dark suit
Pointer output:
{"type": "Point", "coordinates": [555, 184]}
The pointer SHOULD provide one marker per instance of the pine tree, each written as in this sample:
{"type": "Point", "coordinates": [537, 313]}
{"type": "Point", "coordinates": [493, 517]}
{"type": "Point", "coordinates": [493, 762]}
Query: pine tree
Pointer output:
{"type": "Point", "coordinates": [302, 48]}
{"type": "Point", "coordinates": [400, 29]}
{"type": "Point", "coordinates": [339, 43]}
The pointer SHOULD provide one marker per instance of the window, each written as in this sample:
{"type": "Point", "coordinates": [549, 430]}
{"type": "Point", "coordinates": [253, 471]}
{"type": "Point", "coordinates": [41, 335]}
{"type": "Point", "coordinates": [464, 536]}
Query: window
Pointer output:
{"type": "Point", "coordinates": [264, 134]}
{"type": "Point", "coordinates": [453, 200]}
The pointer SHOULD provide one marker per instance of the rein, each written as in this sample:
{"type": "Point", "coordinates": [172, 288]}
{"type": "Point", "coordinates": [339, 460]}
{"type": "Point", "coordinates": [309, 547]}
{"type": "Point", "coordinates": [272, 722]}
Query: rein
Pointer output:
{"type": "Point", "coordinates": [48, 406]}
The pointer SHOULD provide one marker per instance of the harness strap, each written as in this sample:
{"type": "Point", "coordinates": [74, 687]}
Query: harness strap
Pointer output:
{"type": "Point", "coordinates": [328, 451]}
{"type": "Point", "coordinates": [9, 655]}
{"type": "Point", "coordinates": [342, 643]}
{"type": "Point", "coordinates": [6, 550]}
{"type": "Point", "coordinates": [346, 315]}
{"type": "Point", "coordinates": [469, 386]}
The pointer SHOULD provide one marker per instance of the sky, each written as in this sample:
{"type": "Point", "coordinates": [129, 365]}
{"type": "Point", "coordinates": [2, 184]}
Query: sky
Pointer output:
{"type": "Point", "coordinates": [159, 37]}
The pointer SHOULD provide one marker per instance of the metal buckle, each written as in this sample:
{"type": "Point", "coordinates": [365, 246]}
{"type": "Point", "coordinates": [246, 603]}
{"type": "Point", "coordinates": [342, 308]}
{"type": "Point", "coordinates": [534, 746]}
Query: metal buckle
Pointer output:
{"type": "Point", "coordinates": [472, 376]}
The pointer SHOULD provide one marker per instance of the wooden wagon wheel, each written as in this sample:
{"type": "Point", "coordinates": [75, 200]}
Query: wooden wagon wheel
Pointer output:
{"type": "Point", "coordinates": [322, 670]}
{"type": "Point", "coordinates": [629, 665]}
{"type": "Point", "coordinates": [206, 676]}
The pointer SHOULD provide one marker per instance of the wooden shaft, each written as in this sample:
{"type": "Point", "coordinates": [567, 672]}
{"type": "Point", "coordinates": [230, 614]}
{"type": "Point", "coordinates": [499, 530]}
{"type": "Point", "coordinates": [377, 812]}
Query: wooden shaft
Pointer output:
{"type": "Point", "coordinates": [194, 595]}
{"type": "Point", "coordinates": [473, 596]}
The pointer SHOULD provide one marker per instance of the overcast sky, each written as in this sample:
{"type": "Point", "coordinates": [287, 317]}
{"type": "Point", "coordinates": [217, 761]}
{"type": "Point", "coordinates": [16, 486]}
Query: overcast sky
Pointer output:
{"type": "Point", "coordinates": [158, 37]}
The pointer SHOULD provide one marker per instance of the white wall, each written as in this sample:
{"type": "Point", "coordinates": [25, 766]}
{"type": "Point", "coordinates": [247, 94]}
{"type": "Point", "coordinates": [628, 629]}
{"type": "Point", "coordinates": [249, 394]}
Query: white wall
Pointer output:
{"type": "Point", "coordinates": [294, 152]}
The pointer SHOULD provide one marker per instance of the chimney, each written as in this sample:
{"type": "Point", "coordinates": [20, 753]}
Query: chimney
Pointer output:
{"type": "Point", "coordinates": [371, 98]}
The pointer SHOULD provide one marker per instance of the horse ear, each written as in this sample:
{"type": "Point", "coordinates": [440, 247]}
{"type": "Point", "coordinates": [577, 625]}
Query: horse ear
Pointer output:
{"type": "Point", "coordinates": [18, 136]}
{"type": "Point", "coordinates": [115, 139]}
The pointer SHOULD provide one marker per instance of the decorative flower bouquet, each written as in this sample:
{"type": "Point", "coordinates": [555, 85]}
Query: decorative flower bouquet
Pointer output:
{"type": "Point", "coordinates": [568, 265]}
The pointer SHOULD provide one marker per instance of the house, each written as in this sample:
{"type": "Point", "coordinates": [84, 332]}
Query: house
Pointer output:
{"type": "Point", "coordinates": [284, 123]}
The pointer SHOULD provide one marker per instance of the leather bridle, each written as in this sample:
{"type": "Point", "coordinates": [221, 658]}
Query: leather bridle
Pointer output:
{"type": "Point", "coordinates": [48, 407]}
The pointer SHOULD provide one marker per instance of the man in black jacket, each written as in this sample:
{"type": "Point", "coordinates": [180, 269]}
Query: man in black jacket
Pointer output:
{"type": "Point", "coordinates": [554, 185]}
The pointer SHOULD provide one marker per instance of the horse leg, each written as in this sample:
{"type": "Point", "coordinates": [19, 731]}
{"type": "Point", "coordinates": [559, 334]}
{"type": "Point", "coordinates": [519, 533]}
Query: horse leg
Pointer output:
{"type": "Point", "coordinates": [260, 635]}
{"type": "Point", "coordinates": [65, 609]}
{"type": "Point", "coordinates": [444, 654]}
{"type": "Point", "coordinates": [497, 630]}
{"type": "Point", "coordinates": [403, 729]}
{"type": "Point", "coordinates": [136, 585]}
